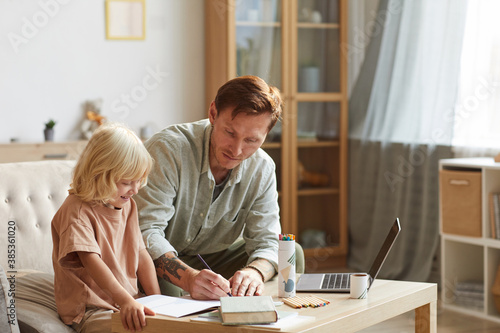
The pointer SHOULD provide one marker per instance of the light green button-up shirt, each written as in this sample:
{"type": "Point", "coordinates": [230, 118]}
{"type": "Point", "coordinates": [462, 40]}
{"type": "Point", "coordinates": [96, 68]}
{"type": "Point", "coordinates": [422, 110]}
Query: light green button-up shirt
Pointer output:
{"type": "Point", "coordinates": [176, 212]}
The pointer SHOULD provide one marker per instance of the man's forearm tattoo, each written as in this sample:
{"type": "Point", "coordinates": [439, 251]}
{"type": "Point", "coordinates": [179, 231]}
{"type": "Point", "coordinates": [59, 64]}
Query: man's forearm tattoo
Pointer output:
{"type": "Point", "coordinates": [166, 265]}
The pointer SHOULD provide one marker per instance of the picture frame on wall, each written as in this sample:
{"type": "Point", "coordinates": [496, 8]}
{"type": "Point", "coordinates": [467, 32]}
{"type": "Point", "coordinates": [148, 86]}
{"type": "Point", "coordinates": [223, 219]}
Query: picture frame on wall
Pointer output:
{"type": "Point", "coordinates": [126, 19]}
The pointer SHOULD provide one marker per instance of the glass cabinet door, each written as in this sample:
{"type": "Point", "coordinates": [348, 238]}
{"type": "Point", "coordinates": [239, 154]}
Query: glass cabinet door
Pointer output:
{"type": "Point", "coordinates": [318, 47]}
{"type": "Point", "coordinates": [259, 33]}
{"type": "Point", "coordinates": [318, 112]}
{"type": "Point", "coordinates": [258, 39]}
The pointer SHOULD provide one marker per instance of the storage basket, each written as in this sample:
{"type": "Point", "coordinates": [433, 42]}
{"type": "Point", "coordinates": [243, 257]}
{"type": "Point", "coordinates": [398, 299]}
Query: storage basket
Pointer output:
{"type": "Point", "coordinates": [460, 193]}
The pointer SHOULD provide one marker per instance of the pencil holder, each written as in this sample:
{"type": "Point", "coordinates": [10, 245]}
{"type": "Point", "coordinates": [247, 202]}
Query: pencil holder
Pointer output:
{"type": "Point", "coordinates": [286, 266]}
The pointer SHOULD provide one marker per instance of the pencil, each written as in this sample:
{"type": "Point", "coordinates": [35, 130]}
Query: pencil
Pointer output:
{"type": "Point", "coordinates": [309, 302]}
{"type": "Point", "coordinates": [208, 267]}
{"type": "Point", "coordinates": [301, 301]}
{"type": "Point", "coordinates": [305, 302]}
{"type": "Point", "coordinates": [315, 301]}
{"type": "Point", "coordinates": [292, 303]}
{"type": "Point", "coordinates": [324, 300]}
{"type": "Point", "coordinates": [296, 301]}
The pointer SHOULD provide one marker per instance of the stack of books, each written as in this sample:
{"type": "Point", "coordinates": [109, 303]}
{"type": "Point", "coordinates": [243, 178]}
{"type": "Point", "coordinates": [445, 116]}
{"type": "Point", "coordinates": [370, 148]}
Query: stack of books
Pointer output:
{"type": "Point", "coordinates": [470, 294]}
{"type": "Point", "coordinates": [494, 205]}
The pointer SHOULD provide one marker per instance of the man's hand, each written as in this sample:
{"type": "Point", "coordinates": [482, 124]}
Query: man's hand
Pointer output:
{"type": "Point", "coordinates": [250, 280]}
{"type": "Point", "coordinates": [206, 284]}
{"type": "Point", "coordinates": [247, 282]}
{"type": "Point", "coordinates": [203, 284]}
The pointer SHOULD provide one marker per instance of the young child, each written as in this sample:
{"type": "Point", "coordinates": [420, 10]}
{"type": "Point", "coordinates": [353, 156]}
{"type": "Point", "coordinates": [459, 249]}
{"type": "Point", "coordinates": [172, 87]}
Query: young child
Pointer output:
{"type": "Point", "coordinates": [98, 252]}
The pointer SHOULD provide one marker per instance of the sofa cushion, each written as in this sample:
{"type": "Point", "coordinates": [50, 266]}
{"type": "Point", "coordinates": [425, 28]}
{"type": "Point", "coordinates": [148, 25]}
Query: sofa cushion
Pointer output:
{"type": "Point", "coordinates": [8, 315]}
{"type": "Point", "coordinates": [36, 305]}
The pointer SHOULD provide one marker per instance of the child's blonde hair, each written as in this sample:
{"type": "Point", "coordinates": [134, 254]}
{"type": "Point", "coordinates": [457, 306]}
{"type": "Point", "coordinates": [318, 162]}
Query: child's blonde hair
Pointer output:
{"type": "Point", "coordinates": [113, 153]}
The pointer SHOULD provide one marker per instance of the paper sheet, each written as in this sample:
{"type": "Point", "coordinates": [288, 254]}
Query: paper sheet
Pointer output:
{"type": "Point", "coordinates": [175, 306]}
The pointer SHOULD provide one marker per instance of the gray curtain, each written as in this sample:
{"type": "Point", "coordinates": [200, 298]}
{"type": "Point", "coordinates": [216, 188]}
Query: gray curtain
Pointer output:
{"type": "Point", "coordinates": [398, 132]}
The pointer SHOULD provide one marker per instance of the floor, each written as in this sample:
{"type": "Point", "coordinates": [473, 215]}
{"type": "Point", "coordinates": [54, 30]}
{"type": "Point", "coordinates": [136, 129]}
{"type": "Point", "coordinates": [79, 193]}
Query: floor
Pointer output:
{"type": "Point", "coordinates": [447, 322]}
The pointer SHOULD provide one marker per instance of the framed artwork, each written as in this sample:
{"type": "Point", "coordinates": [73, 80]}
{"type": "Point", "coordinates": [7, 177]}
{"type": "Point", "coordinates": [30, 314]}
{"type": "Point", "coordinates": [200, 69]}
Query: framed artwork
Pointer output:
{"type": "Point", "coordinates": [126, 19]}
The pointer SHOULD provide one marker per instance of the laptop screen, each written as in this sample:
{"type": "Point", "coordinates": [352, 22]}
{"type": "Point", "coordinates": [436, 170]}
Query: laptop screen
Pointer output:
{"type": "Point", "coordinates": [386, 247]}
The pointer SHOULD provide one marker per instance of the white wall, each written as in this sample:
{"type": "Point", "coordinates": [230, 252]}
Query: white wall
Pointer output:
{"type": "Point", "coordinates": [54, 56]}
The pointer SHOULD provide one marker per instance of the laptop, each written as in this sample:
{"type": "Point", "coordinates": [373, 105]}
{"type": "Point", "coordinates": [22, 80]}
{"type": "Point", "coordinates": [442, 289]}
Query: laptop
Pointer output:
{"type": "Point", "coordinates": [340, 282]}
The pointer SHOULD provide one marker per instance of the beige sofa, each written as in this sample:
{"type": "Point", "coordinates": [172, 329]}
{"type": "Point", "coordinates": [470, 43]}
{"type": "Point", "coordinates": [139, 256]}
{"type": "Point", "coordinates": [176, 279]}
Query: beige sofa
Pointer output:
{"type": "Point", "coordinates": [30, 194]}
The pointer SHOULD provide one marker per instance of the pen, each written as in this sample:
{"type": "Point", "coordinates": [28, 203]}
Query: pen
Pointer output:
{"type": "Point", "coordinates": [208, 267]}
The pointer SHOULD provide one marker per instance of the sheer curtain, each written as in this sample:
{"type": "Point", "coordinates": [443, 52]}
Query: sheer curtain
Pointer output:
{"type": "Point", "coordinates": [399, 131]}
{"type": "Point", "coordinates": [477, 112]}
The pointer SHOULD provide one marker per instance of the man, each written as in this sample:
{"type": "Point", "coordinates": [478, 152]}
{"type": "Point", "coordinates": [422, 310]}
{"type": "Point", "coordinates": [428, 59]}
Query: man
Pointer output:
{"type": "Point", "coordinates": [210, 185]}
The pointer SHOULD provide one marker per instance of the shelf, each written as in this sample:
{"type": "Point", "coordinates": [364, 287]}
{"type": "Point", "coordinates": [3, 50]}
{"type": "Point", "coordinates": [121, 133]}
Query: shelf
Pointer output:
{"type": "Point", "coordinates": [478, 162]}
{"type": "Point", "coordinates": [317, 191]}
{"type": "Point", "coordinates": [472, 312]}
{"type": "Point", "coordinates": [464, 239]}
{"type": "Point", "coordinates": [308, 25]}
{"type": "Point", "coordinates": [258, 24]}
{"type": "Point", "coordinates": [492, 243]}
{"type": "Point", "coordinates": [271, 145]}
{"type": "Point", "coordinates": [323, 259]}
{"type": "Point", "coordinates": [319, 97]}
{"type": "Point", "coordinates": [466, 311]}
{"type": "Point", "coordinates": [317, 144]}
{"type": "Point", "coordinates": [480, 241]}
{"type": "Point", "coordinates": [316, 252]}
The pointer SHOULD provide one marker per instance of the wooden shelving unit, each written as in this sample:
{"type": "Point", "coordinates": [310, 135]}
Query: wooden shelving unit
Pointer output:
{"type": "Point", "coordinates": [472, 258]}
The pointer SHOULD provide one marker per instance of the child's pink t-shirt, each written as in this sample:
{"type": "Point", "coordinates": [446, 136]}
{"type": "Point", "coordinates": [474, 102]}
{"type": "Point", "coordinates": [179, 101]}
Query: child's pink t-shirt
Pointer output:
{"type": "Point", "coordinates": [111, 233]}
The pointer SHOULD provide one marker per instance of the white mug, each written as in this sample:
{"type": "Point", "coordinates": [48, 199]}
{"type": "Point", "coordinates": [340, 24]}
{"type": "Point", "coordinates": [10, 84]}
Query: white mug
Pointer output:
{"type": "Point", "coordinates": [359, 285]}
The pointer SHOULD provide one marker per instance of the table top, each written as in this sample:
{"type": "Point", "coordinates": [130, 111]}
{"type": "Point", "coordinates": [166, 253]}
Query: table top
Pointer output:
{"type": "Point", "coordinates": [386, 299]}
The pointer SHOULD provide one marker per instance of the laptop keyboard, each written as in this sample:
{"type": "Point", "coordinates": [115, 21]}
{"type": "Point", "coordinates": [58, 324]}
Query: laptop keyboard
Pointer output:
{"type": "Point", "coordinates": [336, 281]}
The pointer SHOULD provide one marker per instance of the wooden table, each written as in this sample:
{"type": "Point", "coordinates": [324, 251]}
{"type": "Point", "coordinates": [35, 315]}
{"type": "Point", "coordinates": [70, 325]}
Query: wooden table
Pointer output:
{"type": "Point", "coordinates": [386, 299]}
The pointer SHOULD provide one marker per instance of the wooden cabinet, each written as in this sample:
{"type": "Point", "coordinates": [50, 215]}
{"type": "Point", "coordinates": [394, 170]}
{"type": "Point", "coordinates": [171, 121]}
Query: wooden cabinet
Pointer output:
{"type": "Point", "coordinates": [24, 152]}
{"type": "Point", "coordinates": [470, 261]}
{"type": "Point", "coordinates": [298, 46]}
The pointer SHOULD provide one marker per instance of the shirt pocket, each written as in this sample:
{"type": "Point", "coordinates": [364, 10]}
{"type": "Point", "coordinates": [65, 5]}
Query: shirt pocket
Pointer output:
{"type": "Point", "coordinates": [231, 227]}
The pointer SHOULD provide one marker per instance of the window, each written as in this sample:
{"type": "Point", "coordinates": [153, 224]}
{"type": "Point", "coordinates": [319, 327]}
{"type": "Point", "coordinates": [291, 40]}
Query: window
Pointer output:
{"type": "Point", "coordinates": [477, 113]}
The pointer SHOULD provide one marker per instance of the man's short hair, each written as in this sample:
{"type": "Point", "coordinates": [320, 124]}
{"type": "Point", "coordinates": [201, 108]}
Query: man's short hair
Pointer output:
{"type": "Point", "coordinates": [250, 94]}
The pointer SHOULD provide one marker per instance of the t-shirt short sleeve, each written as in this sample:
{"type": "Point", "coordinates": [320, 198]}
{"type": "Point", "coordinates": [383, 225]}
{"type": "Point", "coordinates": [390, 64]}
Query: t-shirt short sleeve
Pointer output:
{"type": "Point", "coordinates": [78, 237]}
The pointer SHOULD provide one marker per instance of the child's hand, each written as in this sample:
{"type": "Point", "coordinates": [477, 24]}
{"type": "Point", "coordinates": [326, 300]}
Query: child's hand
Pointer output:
{"type": "Point", "coordinates": [133, 315]}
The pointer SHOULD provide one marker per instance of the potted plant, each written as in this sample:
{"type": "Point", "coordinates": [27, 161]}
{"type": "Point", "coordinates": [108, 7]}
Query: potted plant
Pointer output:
{"type": "Point", "coordinates": [48, 132]}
